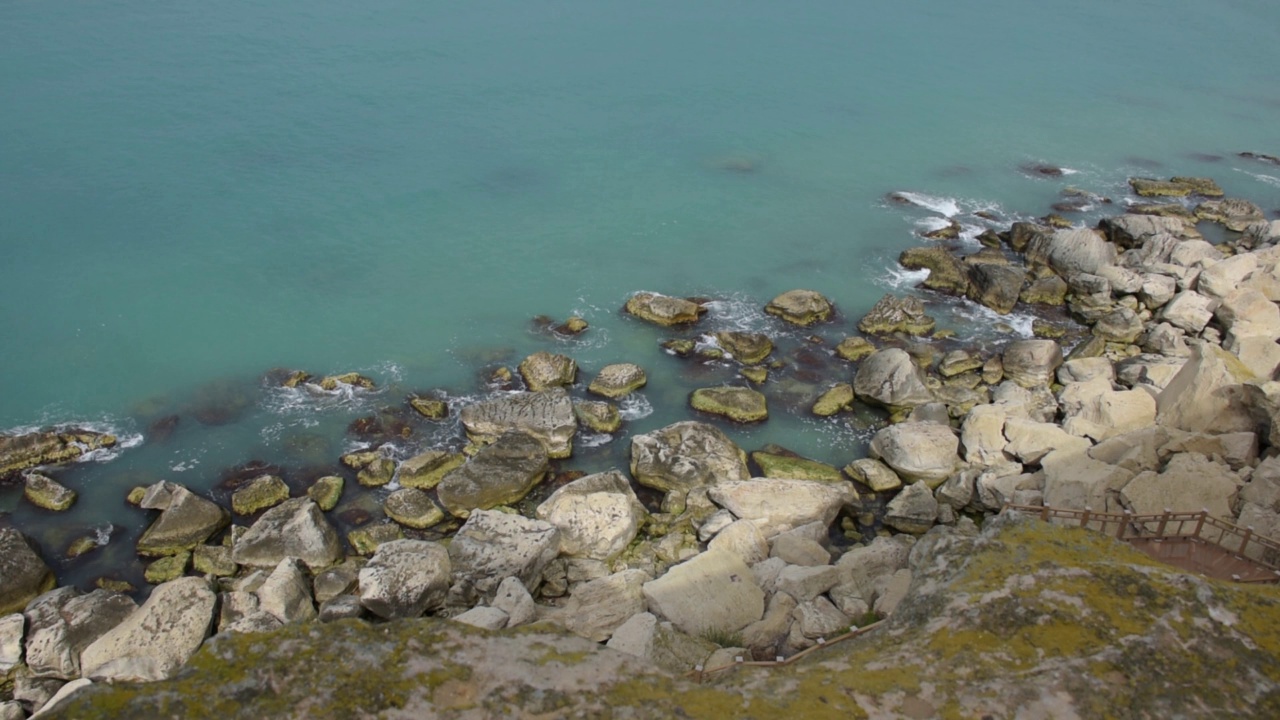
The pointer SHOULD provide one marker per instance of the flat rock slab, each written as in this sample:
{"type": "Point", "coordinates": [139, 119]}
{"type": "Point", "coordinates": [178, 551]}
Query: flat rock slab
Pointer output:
{"type": "Point", "coordinates": [686, 455]}
{"type": "Point", "coordinates": [499, 474]}
{"type": "Point", "coordinates": [546, 415]}
{"type": "Point", "coordinates": [776, 504]}
{"type": "Point", "coordinates": [664, 310]}
{"type": "Point", "coordinates": [712, 592]}
{"type": "Point", "coordinates": [156, 639]}
{"type": "Point", "coordinates": [742, 405]}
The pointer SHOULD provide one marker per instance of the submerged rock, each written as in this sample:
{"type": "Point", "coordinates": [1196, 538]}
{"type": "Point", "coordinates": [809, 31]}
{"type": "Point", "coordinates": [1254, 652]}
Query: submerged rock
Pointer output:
{"type": "Point", "coordinates": [735, 403]}
{"type": "Point", "coordinates": [429, 408]}
{"type": "Point", "coordinates": [854, 349]}
{"type": "Point", "coordinates": [747, 348]}
{"type": "Point", "coordinates": [800, 307]}
{"type": "Point", "coordinates": [838, 397]}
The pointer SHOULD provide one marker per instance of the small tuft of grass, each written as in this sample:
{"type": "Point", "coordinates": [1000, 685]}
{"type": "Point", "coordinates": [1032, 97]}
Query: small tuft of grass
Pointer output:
{"type": "Point", "coordinates": [723, 637]}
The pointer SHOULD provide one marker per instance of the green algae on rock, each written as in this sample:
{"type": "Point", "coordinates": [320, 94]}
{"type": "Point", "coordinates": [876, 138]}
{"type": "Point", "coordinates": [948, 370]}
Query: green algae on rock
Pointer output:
{"type": "Point", "coordinates": [801, 307]}
{"type": "Point", "coordinates": [739, 404]}
{"type": "Point", "coordinates": [326, 492]}
{"type": "Point", "coordinates": [43, 491]}
{"type": "Point", "coordinates": [259, 493]}
{"type": "Point", "coordinates": [664, 310]}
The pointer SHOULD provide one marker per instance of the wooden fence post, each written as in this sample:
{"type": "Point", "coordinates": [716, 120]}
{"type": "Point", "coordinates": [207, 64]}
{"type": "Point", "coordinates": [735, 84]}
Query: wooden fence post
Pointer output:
{"type": "Point", "coordinates": [1084, 519]}
{"type": "Point", "coordinates": [1164, 521]}
{"type": "Point", "coordinates": [1200, 522]}
{"type": "Point", "coordinates": [1244, 542]}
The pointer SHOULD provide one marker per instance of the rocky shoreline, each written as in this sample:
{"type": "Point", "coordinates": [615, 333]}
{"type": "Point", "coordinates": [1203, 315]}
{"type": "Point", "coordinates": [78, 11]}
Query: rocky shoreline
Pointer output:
{"type": "Point", "coordinates": [1152, 389]}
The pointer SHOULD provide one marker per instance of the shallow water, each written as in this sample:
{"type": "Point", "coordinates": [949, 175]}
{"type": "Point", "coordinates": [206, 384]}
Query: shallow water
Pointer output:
{"type": "Point", "coordinates": [193, 194]}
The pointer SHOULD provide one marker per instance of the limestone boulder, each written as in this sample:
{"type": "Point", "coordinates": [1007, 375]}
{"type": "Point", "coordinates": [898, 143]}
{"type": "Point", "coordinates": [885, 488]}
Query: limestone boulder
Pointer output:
{"type": "Point", "coordinates": [1031, 363]}
{"type": "Point", "coordinates": [1233, 213]}
{"type": "Point", "coordinates": [1030, 441]}
{"type": "Point", "coordinates": [892, 314]}
{"type": "Point", "coordinates": [739, 404]}
{"type": "Point", "coordinates": [913, 510]}
{"type": "Point", "coordinates": [547, 416]}
{"type": "Point", "coordinates": [155, 640]}
{"type": "Point", "coordinates": [295, 528]}
{"type": "Point", "coordinates": [62, 623]}
{"type": "Point", "coordinates": [686, 455]}
{"type": "Point", "coordinates": [996, 286]}
{"type": "Point", "coordinates": [1223, 278]}
{"type": "Point", "coordinates": [425, 470]}
{"type": "Point", "coordinates": [804, 583]}
{"type": "Point", "coordinates": [12, 631]}
{"type": "Point", "coordinates": [1070, 252]}
{"type": "Point", "coordinates": [493, 546]}
{"type": "Point", "coordinates": [513, 598]}
{"type": "Point", "coordinates": [1248, 313]}
{"type": "Point", "coordinates": [801, 307]}
{"type": "Point", "coordinates": [664, 310]}
{"type": "Point", "coordinates": [543, 371]}
{"type": "Point", "coordinates": [742, 538]}
{"type": "Point", "coordinates": [1093, 409]}
{"type": "Point", "coordinates": [661, 644]}
{"type": "Point", "coordinates": [286, 593]}
{"type": "Point", "coordinates": [946, 272]}
{"type": "Point", "coordinates": [1207, 394]}
{"type": "Point", "coordinates": [484, 617]}
{"type": "Point", "coordinates": [405, 578]}
{"type": "Point", "coordinates": [925, 452]}
{"type": "Point", "coordinates": [23, 575]}
{"type": "Point", "coordinates": [500, 474]}
{"type": "Point", "coordinates": [712, 592]}
{"type": "Point", "coordinates": [747, 348]}
{"type": "Point", "coordinates": [412, 508]}
{"type": "Point", "coordinates": [1131, 230]}
{"type": "Point", "coordinates": [874, 474]}
{"type": "Point", "coordinates": [1119, 325]}
{"type": "Point", "coordinates": [1189, 482]}
{"type": "Point", "coordinates": [835, 399]}
{"type": "Point", "coordinates": [598, 515]}
{"type": "Point", "coordinates": [889, 378]}
{"type": "Point", "coordinates": [1075, 481]}
{"type": "Point", "coordinates": [186, 520]}
{"type": "Point", "coordinates": [1188, 310]}
{"type": "Point", "coordinates": [777, 504]}
{"type": "Point", "coordinates": [259, 493]}
{"type": "Point", "coordinates": [598, 607]}
{"type": "Point", "coordinates": [618, 380]}
{"type": "Point", "coordinates": [982, 435]}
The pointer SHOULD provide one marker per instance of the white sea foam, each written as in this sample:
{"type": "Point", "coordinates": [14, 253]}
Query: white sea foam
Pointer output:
{"type": "Point", "coordinates": [126, 437]}
{"type": "Point", "coordinates": [634, 407]}
{"type": "Point", "coordinates": [736, 312]}
{"type": "Point", "coordinates": [945, 206]}
{"type": "Point", "coordinates": [932, 223]}
{"type": "Point", "coordinates": [897, 277]}
{"type": "Point", "coordinates": [591, 440]}
{"type": "Point", "coordinates": [979, 317]}
{"type": "Point", "coordinates": [102, 534]}
{"type": "Point", "coordinates": [1262, 178]}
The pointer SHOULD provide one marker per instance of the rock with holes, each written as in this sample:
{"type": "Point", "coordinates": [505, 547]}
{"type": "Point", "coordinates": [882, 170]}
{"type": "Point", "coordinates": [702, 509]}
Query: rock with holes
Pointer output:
{"type": "Point", "coordinates": [493, 546]}
{"type": "Point", "coordinates": [155, 640]}
{"type": "Point", "coordinates": [294, 528]}
{"type": "Point", "coordinates": [405, 578]}
{"type": "Point", "coordinates": [712, 592]}
{"type": "Point", "coordinates": [598, 516]}
{"type": "Point", "coordinates": [547, 416]}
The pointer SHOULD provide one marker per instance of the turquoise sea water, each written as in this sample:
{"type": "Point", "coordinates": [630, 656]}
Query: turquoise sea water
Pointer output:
{"type": "Point", "coordinates": [195, 193]}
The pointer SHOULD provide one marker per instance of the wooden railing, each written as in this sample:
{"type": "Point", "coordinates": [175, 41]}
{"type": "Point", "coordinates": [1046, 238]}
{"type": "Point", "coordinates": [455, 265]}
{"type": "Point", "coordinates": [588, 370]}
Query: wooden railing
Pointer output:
{"type": "Point", "coordinates": [1241, 542]}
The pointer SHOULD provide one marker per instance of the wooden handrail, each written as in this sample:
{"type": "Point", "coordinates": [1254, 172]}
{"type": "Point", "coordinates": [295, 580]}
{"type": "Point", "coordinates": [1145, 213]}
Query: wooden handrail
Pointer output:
{"type": "Point", "coordinates": [1170, 525]}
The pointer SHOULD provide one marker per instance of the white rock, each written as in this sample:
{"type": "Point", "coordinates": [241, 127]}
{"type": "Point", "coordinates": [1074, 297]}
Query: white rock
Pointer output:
{"type": "Point", "coordinates": [1222, 278]}
{"type": "Point", "coordinates": [1085, 369]}
{"type": "Point", "coordinates": [597, 608]}
{"type": "Point", "coordinates": [514, 599]}
{"type": "Point", "coordinates": [744, 539]}
{"type": "Point", "coordinates": [1190, 482]}
{"type": "Point", "coordinates": [1195, 253]}
{"type": "Point", "coordinates": [488, 618]}
{"type": "Point", "coordinates": [12, 628]}
{"type": "Point", "coordinates": [493, 546]}
{"type": "Point", "coordinates": [799, 550]}
{"type": "Point", "coordinates": [1207, 394]}
{"type": "Point", "coordinates": [713, 592]}
{"type": "Point", "coordinates": [779, 504]}
{"type": "Point", "coordinates": [1092, 409]}
{"type": "Point", "coordinates": [918, 451]}
{"type": "Point", "coordinates": [1075, 481]}
{"type": "Point", "coordinates": [913, 510]}
{"type": "Point", "coordinates": [294, 528]}
{"type": "Point", "coordinates": [405, 578]}
{"type": "Point", "coordinates": [598, 516]}
{"type": "Point", "coordinates": [806, 583]}
{"type": "Point", "coordinates": [819, 618]}
{"type": "Point", "coordinates": [157, 638]}
{"type": "Point", "coordinates": [892, 591]}
{"type": "Point", "coordinates": [286, 593]}
{"type": "Point", "coordinates": [644, 636]}
{"type": "Point", "coordinates": [1031, 363]}
{"type": "Point", "coordinates": [62, 623]}
{"type": "Point", "coordinates": [1157, 290]}
{"type": "Point", "coordinates": [1029, 441]}
{"type": "Point", "coordinates": [982, 435]}
{"type": "Point", "coordinates": [1188, 310]}
{"type": "Point", "coordinates": [718, 521]}
{"type": "Point", "coordinates": [64, 692]}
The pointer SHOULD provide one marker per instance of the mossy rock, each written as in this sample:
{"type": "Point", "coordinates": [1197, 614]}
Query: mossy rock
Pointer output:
{"type": "Point", "coordinates": [213, 560]}
{"type": "Point", "coordinates": [429, 408]}
{"type": "Point", "coordinates": [893, 314]}
{"type": "Point", "coordinates": [618, 380]}
{"type": "Point", "coordinates": [365, 540]}
{"type": "Point", "coordinates": [377, 473]}
{"type": "Point", "coordinates": [854, 349]}
{"type": "Point", "coordinates": [739, 404]}
{"type": "Point", "coordinates": [425, 470]}
{"type": "Point", "coordinates": [680, 347]}
{"type": "Point", "coordinates": [81, 546]}
{"type": "Point", "coordinates": [664, 310]}
{"type": "Point", "coordinates": [260, 493]}
{"type": "Point", "coordinates": [794, 467]}
{"type": "Point", "coordinates": [755, 373]}
{"type": "Point", "coordinates": [746, 348]}
{"type": "Point", "coordinates": [801, 307]}
{"type": "Point", "coordinates": [361, 458]}
{"type": "Point", "coordinates": [1045, 291]}
{"type": "Point", "coordinates": [135, 496]}
{"type": "Point", "coordinates": [601, 417]}
{"type": "Point", "coordinates": [295, 378]}
{"type": "Point", "coordinates": [957, 362]}
{"type": "Point", "coordinates": [1042, 329]}
{"type": "Point", "coordinates": [326, 492]}
{"type": "Point", "coordinates": [1162, 210]}
{"type": "Point", "coordinates": [412, 508]}
{"type": "Point", "coordinates": [45, 492]}
{"type": "Point", "coordinates": [114, 585]}
{"type": "Point", "coordinates": [946, 272]}
{"type": "Point", "coordinates": [543, 371]}
{"type": "Point", "coordinates": [837, 398]}
{"type": "Point", "coordinates": [167, 568]}
{"type": "Point", "coordinates": [573, 326]}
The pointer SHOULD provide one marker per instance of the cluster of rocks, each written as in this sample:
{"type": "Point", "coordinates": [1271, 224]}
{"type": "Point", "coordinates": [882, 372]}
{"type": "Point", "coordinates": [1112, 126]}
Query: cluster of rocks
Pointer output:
{"type": "Point", "coordinates": [1165, 400]}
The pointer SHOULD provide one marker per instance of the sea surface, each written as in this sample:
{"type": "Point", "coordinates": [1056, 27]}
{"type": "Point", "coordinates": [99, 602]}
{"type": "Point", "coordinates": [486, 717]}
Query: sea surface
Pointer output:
{"type": "Point", "coordinates": [193, 194]}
